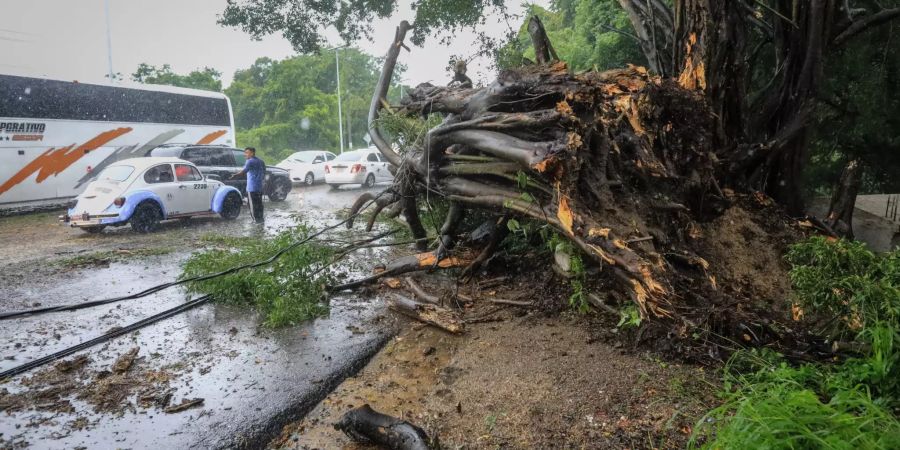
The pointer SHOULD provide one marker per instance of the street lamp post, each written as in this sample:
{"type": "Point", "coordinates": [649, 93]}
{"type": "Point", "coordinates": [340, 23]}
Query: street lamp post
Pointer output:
{"type": "Point", "coordinates": [337, 68]}
{"type": "Point", "coordinates": [112, 75]}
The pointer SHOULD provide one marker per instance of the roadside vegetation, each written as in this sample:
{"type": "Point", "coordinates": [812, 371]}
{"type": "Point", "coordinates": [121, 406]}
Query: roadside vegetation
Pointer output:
{"type": "Point", "coordinates": [286, 292]}
{"type": "Point", "coordinates": [852, 296]}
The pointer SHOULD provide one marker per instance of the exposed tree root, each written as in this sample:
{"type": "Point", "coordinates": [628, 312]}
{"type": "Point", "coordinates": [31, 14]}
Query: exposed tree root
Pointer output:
{"type": "Point", "coordinates": [621, 163]}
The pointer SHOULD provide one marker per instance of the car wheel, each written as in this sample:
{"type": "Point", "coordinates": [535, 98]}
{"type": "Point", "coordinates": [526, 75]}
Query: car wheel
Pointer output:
{"type": "Point", "coordinates": [310, 179]}
{"type": "Point", "coordinates": [370, 181]}
{"type": "Point", "coordinates": [279, 190]}
{"type": "Point", "coordinates": [146, 217]}
{"type": "Point", "coordinates": [231, 207]}
{"type": "Point", "coordinates": [94, 230]}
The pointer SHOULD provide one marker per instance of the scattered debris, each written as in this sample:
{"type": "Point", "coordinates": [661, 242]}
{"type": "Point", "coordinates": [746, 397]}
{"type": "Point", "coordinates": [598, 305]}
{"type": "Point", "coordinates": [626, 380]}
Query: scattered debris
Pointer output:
{"type": "Point", "coordinates": [366, 425]}
{"type": "Point", "coordinates": [124, 362]}
{"type": "Point", "coordinates": [184, 405]}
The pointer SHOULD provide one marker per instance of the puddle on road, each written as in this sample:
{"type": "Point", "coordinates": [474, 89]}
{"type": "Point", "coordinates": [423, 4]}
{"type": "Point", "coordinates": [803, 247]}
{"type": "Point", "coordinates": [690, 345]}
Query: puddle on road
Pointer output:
{"type": "Point", "coordinates": [249, 377]}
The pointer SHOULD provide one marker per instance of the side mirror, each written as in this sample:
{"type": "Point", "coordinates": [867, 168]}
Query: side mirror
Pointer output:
{"type": "Point", "coordinates": [318, 161]}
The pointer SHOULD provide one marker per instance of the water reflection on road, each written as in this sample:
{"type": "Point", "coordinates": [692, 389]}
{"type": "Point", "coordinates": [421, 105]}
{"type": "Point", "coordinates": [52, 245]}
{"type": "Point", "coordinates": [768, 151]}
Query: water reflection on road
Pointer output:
{"type": "Point", "coordinates": [251, 379]}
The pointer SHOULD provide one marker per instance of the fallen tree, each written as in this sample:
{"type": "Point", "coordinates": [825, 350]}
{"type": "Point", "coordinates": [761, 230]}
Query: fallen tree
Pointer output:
{"type": "Point", "coordinates": [623, 164]}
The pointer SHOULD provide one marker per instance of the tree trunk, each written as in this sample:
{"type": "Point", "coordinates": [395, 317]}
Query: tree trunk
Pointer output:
{"type": "Point", "coordinates": [843, 200]}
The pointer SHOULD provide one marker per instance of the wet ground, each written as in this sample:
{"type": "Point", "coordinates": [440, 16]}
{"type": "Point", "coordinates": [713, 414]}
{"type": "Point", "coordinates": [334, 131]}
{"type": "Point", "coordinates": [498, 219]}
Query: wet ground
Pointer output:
{"type": "Point", "coordinates": [210, 377]}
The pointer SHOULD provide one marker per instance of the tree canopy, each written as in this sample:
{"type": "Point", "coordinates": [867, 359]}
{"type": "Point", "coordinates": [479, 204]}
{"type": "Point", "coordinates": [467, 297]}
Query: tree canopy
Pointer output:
{"type": "Point", "coordinates": [206, 79]}
{"type": "Point", "coordinates": [760, 63]}
{"type": "Point", "coordinates": [284, 106]}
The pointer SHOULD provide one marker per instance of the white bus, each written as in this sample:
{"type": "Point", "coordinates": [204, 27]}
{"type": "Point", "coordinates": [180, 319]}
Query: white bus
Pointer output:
{"type": "Point", "coordinates": [55, 135]}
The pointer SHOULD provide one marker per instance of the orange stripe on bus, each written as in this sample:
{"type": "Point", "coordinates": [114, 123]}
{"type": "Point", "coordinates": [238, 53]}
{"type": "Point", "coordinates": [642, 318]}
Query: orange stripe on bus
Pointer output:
{"type": "Point", "coordinates": [209, 138]}
{"type": "Point", "coordinates": [55, 161]}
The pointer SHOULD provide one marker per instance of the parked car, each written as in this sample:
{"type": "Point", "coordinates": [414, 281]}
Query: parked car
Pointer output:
{"type": "Point", "coordinates": [222, 162]}
{"type": "Point", "coordinates": [365, 167]}
{"type": "Point", "coordinates": [145, 191]}
{"type": "Point", "coordinates": [307, 166]}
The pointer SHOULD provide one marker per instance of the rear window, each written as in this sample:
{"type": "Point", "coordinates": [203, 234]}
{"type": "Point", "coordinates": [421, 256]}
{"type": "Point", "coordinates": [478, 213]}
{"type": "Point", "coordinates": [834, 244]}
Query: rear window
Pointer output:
{"type": "Point", "coordinates": [304, 156]}
{"type": "Point", "coordinates": [184, 172]}
{"type": "Point", "coordinates": [116, 173]}
{"type": "Point", "coordinates": [198, 155]}
{"type": "Point", "coordinates": [349, 156]}
{"type": "Point", "coordinates": [174, 152]}
{"type": "Point", "coordinates": [239, 157]}
{"type": "Point", "coordinates": [220, 157]}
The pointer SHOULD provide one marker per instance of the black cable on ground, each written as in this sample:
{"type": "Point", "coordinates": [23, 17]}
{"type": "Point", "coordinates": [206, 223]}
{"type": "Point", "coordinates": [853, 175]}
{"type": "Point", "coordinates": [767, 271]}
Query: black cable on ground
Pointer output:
{"type": "Point", "coordinates": [155, 289]}
{"type": "Point", "coordinates": [103, 338]}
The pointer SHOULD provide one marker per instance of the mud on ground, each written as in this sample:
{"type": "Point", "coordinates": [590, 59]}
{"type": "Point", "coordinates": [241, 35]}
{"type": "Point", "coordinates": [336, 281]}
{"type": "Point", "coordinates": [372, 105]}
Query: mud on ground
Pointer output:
{"type": "Point", "coordinates": [532, 381]}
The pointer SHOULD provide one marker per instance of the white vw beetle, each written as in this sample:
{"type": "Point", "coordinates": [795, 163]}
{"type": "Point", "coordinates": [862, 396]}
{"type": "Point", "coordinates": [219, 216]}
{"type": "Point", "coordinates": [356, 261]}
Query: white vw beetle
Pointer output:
{"type": "Point", "coordinates": [144, 191]}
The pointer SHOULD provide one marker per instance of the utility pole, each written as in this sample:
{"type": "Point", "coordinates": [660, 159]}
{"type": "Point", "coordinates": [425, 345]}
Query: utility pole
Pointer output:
{"type": "Point", "coordinates": [337, 67]}
{"type": "Point", "coordinates": [112, 75]}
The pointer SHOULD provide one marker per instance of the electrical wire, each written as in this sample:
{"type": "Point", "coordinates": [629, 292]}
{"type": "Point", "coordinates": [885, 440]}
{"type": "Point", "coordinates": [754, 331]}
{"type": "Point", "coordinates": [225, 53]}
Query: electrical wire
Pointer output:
{"type": "Point", "coordinates": [103, 338]}
{"type": "Point", "coordinates": [158, 288]}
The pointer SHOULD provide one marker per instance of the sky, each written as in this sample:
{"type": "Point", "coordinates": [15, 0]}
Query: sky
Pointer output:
{"type": "Point", "coordinates": [66, 39]}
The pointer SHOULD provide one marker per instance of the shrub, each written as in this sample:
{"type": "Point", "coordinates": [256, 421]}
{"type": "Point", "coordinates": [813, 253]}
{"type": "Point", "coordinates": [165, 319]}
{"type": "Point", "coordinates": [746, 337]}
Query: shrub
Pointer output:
{"type": "Point", "coordinates": [769, 403]}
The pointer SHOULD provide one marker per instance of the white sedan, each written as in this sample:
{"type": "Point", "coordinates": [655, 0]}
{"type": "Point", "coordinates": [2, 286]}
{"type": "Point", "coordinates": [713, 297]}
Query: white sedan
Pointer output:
{"type": "Point", "coordinates": [365, 167]}
{"type": "Point", "coordinates": [307, 166]}
{"type": "Point", "coordinates": [145, 191]}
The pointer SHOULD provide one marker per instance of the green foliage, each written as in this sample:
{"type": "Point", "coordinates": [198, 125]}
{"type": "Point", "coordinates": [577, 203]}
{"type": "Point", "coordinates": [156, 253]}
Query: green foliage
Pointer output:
{"type": "Point", "coordinates": [582, 35]}
{"type": "Point", "coordinates": [404, 130]}
{"type": "Point", "coordinates": [845, 280]}
{"type": "Point", "coordinates": [769, 403]}
{"type": "Point", "coordinates": [629, 317]}
{"type": "Point", "coordinates": [557, 243]}
{"type": "Point", "coordinates": [206, 79]}
{"type": "Point", "coordinates": [281, 107]}
{"type": "Point", "coordinates": [286, 292]}
{"type": "Point", "coordinates": [303, 22]}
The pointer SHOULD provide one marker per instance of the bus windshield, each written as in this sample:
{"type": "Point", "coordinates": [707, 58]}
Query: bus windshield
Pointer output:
{"type": "Point", "coordinates": [116, 173]}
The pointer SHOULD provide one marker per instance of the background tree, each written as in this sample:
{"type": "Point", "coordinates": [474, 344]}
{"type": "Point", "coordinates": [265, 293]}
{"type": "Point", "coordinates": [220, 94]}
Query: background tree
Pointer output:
{"type": "Point", "coordinates": [206, 79]}
{"type": "Point", "coordinates": [284, 106]}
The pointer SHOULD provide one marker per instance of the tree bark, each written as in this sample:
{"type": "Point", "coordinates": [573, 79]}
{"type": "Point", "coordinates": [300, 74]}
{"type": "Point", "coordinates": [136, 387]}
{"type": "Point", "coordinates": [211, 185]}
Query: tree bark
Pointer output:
{"type": "Point", "coordinates": [843, 200]}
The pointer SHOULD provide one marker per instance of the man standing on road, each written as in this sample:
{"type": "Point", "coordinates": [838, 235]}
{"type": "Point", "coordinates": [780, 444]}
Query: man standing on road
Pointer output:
{"type": "Point", "coordinates": [255, 169]}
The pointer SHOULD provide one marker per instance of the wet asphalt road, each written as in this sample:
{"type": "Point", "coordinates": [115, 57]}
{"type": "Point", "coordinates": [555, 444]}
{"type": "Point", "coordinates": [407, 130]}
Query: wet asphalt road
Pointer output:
{"type": "Point", "coordinates": [252, 379]}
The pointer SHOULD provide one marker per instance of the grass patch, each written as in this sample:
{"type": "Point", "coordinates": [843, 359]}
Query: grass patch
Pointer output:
{"type": "Point", "coordinates": [286, 292]}
{"type": "Point", "coordinates": [108, 256]}
{"type": "Point", "coordinates": [851, 294]}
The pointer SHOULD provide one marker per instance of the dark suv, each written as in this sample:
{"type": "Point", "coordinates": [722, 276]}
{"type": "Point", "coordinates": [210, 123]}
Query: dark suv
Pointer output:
{"type": "Point", "coordinates": [222, 162]}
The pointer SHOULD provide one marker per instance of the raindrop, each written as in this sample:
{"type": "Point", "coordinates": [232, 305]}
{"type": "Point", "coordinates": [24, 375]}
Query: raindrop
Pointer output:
{"type": "Point", "coordinates": [28, 91]}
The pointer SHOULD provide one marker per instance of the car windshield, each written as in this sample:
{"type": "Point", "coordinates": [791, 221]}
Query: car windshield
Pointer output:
{"type": "Point", "coordinates": [116, 173]}
{"type": "Point", "coordinates": [349, 156]}
{"type": "Point", "coordinates": [304, 156]}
